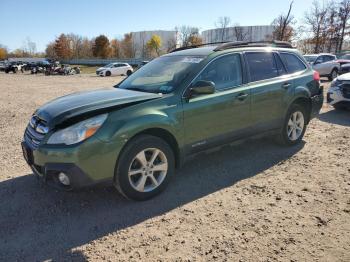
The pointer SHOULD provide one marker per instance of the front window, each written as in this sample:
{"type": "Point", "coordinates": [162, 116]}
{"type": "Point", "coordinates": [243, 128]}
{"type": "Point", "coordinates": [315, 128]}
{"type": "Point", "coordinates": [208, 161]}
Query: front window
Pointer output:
{"type": "Point", "coordinates": [162, 75]}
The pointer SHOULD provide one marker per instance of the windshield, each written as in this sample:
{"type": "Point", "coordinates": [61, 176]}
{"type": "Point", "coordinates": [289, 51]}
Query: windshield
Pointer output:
{"type": "Point", "coordinates": [108, 66]}
{"type": "Point", "coordinates": [162, 75]}
{"type": "Point", "coordinates": [310, 58]}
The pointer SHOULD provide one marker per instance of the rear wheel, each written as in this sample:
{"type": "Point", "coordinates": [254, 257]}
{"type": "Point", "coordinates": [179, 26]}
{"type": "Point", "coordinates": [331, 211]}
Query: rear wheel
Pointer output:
{"type": "Point", "coordinates": [108, 73]}
{"type": "Point", "coordinates": [144, 168]}
{"type": "Point", "coordinates": [333, 75]}
{"type": "Point", "coordinates": [294, 125]}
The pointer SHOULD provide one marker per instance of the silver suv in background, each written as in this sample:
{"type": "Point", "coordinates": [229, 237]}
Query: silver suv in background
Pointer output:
{"type": "Point", "coordinates": [325, 64]}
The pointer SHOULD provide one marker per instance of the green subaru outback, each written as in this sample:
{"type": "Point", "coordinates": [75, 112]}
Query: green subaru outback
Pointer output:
{"type": "Point", "coordinates": [190, 100]}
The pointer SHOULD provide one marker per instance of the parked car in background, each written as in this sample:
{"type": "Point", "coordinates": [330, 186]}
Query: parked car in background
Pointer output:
{"type": "Point", "coordinates": [338, 94]}
{"type": "Point", "coordinates": [325, 64]}
{"type": "Point", "coordinates": [344, 68]}
{"type": "Point", "coordinates": [14, 67]}
{"type": "Point", "coordinates": [115, 69]}
{"type": "Point", "coordinates": [3, 65]}
{"type": "Point", "coordinates": [177, 105]}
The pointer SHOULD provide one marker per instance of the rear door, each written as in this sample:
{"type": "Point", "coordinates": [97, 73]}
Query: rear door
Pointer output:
{"type": "Point", "coordinates": [212, 119]}
{"type": "Point", "coordinates": [268, 87]}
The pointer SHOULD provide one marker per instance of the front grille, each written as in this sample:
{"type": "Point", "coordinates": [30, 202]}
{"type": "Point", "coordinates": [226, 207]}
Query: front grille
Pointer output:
{"type": "Point", "coordinates": [35, 132]}
{"type": "Point", "coordinates": [346, 91]}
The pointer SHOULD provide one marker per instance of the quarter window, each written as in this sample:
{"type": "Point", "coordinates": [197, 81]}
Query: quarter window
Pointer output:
{"type": "Point", "coordinates": [293, 63]}
{"type": "Point", "coordinates": [261, 66]}
{"type": "Point", "coordinates": [225, 72]}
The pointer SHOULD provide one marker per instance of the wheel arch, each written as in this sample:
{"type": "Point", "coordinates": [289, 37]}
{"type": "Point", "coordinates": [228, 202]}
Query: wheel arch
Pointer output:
{"type": "Point", "coordinates": [165, 135]}
{"type": "Point", "coordinates": [306, 103]}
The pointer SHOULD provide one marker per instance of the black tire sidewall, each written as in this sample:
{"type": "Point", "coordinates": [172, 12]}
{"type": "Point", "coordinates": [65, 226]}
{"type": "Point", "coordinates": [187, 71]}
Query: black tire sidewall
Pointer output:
{"type": "Point", "coordinates": [108, 73]}
{"type": "Point", "coordinates": [121, 179]}
{"type": "Point", "coordinates": [128, 73]}
{"type": "Point", "coordinates": [284, 135]}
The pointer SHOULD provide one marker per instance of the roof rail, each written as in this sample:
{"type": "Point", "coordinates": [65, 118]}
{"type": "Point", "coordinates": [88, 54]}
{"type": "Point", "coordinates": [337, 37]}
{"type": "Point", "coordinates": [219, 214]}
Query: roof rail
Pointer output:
{"type": "Point", "coordinates": [236, 44]}
{"type": "Point", "coordinates": [196, 46]}
{"type": "Point", "coordinates": [274, 43]}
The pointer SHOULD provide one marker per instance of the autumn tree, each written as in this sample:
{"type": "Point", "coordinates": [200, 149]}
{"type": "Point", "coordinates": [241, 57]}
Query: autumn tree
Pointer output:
{"type": "Point", "coordinates": [115, 48]}
{"type": "Point", "coordinates": [186, 33]}
{"type": "Point", "coordinates": [101, 47]}
{"type": "Point", "coordinates": [154, 44]}
{"type": "Point", "coordinates": [283, 24]}
{"type": "Point", "coordinates": [344, 16]}
{"type": "Point", "coordinates": [194, 40]}
{"type": "Point", "coordinates": [127, 47]}
{"type": "Point", "coordinates": [315, 20]}
{"type": "Point", "coordinates": [62, 47]}
{"type": "Point", "coordinates": [222, 23]}
{"type": "Point", "coordinates": [3, 52]}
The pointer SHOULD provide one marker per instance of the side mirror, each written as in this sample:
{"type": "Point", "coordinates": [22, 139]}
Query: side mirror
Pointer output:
{"type": "Point", "coordinates": [202, 87]}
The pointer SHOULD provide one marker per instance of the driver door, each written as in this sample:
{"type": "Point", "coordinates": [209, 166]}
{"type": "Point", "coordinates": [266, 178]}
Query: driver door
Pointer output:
{"type": "Point", "coordinates": [213, 119]}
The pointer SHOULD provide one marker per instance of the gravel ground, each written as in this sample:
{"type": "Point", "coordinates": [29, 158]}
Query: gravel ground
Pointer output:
{"type": "Point", "coordinates": [255, 201]}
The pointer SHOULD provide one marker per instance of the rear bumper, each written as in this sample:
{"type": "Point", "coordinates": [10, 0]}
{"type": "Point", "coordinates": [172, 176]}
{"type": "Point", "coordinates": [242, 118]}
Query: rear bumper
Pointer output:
{"type": "Point", "coordinates": [316, 103]}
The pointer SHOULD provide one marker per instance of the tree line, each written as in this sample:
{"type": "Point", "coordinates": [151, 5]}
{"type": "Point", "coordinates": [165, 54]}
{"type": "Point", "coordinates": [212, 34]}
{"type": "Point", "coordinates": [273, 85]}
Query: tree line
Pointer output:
{"type": "Point", "coordinates": [323, 28]}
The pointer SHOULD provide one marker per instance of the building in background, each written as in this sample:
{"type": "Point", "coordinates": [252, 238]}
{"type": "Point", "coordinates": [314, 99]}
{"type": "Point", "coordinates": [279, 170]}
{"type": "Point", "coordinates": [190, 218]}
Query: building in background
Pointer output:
{"type": "Point", "coordinates": [170, 40]}
{"type": "Point", "coordinates": [238, 33]}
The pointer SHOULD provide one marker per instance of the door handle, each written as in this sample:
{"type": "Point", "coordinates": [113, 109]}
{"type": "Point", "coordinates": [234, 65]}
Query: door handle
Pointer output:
{"type": "Point", "coordinates": [242, 96]}
{"type": "Point", "coordinates": [286, 85]}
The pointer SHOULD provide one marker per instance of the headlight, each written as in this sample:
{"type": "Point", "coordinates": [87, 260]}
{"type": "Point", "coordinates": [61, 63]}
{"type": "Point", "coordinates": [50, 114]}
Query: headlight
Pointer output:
{"type": "Point", "coordinates": [77, 132]}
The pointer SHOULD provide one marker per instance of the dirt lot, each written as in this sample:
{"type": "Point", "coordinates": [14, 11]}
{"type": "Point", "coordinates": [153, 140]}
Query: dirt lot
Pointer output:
{"type": "Point", "coordinates": [255, 201]}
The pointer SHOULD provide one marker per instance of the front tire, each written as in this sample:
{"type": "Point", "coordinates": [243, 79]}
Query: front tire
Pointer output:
{"type": "Point", "coordinates": [144, 168]}
{"type": "Point", "coordinates": [128, 73]}
{"type": "Point", "coordinates": [108, 73]}
{"type": "Point", "coordinates": [294, 126]}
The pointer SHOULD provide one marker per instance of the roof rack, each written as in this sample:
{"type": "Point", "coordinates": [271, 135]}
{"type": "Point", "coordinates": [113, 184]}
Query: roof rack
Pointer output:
{"type": "Point", "coordinates": [237, 44]}
{"type": "Point", "coordinates": [196, 46]}
{"type": "Point", "coordinates": [273, 43]}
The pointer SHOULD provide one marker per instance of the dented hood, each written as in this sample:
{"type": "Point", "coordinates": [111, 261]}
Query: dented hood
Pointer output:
{"type": "Point", "coordinates": [74, 105]}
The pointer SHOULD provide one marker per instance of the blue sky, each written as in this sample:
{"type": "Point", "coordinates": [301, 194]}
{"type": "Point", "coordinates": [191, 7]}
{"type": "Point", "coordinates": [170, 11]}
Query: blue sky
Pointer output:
{"type": "Point", "coordinates": [43, 20]}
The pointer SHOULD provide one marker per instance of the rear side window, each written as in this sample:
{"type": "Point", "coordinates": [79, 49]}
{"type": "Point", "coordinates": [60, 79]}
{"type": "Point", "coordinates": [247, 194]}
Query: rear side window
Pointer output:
{"type": "Point", "coordinates": [293, 63]}
{"type": "Point", "coordinates": [280, 67]}
{"type": "Point", "coordinates": [261, 66]}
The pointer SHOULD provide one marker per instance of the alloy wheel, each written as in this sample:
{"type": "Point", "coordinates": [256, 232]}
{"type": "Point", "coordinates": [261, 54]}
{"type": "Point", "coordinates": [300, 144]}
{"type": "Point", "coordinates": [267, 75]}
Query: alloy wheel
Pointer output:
{"type": "Point", "coordinates": [148, 170]}
{"type": "Point", "coordinates": [295, 125]}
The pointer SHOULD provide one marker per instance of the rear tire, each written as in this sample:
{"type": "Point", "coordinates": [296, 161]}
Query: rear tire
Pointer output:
{"type": "Point", "coordinates": [144, 168]}
{"type": "Point", "coordinates": [294, 126]}
{"type": "Point", "coordinates": [108, 73]}
{"type": "Point", "coordinates": [333, 75]}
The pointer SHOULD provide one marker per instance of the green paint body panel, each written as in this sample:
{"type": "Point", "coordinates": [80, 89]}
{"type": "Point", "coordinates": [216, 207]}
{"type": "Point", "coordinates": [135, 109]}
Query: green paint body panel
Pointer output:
{"type": "Point", "coordinates": [194, 123]}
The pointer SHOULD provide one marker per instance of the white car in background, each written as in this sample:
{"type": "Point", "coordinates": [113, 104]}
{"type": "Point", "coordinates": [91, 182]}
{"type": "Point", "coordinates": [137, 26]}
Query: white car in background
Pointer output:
{"type": "Point", "coordinates": [338, 94]}
{"type": "Point", "coordinates": [115, 69]}
{"type": "Point", "coordinates": [326, 64]}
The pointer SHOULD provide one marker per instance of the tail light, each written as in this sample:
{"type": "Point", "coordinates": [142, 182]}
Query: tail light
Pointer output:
{"type": "Point", "coordinates": [317, 76]}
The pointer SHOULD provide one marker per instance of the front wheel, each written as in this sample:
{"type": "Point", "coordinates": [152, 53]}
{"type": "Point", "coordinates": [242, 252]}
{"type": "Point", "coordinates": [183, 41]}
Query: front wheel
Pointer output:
{"type": "Point", "coordinates": [108, 73]}
{"type": "Point", "coordinates": [144, 168]}
{"type": "Point", "coordinates": [129, 72]}
{"type": "Point", "coordinates": [294, 126]}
